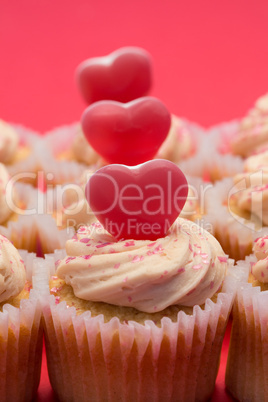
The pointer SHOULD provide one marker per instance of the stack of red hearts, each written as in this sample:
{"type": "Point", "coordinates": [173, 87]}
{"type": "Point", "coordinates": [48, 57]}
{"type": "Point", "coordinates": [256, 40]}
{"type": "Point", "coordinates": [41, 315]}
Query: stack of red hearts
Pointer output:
{"type": "Point", "coordinates": [130, 134]}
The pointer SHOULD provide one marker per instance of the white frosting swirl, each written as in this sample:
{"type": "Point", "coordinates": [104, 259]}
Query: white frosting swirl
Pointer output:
{"type": "Point", "coordinates": [260, 269]}
{"type": "Point", "coordinates": [183, 268]}
{"type": "Point", "coordinates": [252, 196]}
{"type": "Point", "coordinates": [8, 142]}
{"type": "Point", "coordinates": [252, 136]}
{"type": "Point", "coordinates": [5, 211]}
{"type": "Point", "coordinates": [12, 270]}
{"type": "Point", "coordinates": [179, 142]}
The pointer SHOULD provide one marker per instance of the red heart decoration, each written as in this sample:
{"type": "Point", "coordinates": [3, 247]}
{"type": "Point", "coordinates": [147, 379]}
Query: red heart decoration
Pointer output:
{"type": "Point", "coordinates": [124, 75]}
{"type": "Point", "coordinates": [139, 202]}
{"type": "Point", "coordinates": [127, 133]}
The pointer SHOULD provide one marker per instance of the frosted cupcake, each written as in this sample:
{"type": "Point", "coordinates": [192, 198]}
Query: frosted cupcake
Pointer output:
{"type": "Point", "coordinates": [115, 331]}
{"type": "Point", "coordinates": [17, 151]}
{"type": "Point", "coordinates": [17, 200]}
{"type": "Point", "coordinates": [20, 330]}
{"type": "Point", "coordinates": [238, 207]}
{"type": "Point", "coordinates": [140, 314]}
{"type": "Point", "coordinates": [247, 370]}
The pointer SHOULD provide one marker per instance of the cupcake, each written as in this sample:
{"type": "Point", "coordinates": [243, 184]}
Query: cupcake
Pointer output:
{"type": "Point", "coordinates": [247, 371]}
{"type": "Point", "coordinates": [235, 229]}
{"type": "Point", "coordinates": [17, 152]}
{"type": "Point", "coordinates": [134, 318]}
{"type": "Point", "coordinates": [238, 207]}
{"type": "Point", "coordinates": [18, 209]}
{"type": "Point", "coordinates": [20, 329]}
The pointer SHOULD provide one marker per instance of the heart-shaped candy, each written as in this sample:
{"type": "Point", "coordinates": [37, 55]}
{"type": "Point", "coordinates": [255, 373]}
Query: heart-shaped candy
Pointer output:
{"type": "Point", "coordinates": [124, 75]}
{"type": "Point", "coordinates": [128, 133]}
{"type": "Point", "coordinates": [139, 202]}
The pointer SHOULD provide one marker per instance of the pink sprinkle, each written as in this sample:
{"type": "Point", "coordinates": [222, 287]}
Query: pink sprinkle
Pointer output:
{"type": "Point", "coordinates": [158, 248]}
{"type": "Point", "coordinates": [222, 259]}
{"type": "Point", "coordinates": [54, 289]}
{"type": "Point", "coordinates": [137, 258]}
{"type": "Point", "coordinates": [57, 299]}
{"type": "Point", "coordinates": [112, 250]}
{"type": "Point", "coordinates": [125, 279]}
{"type": "Point", "coordinates": [82, 229]}
{"type": "Point", "coordinates": [102, 245]}
{"type": "Point", "coordinates": [262, 274]}
{"type": "Point", "coordinates": [84, 240]}
{"type": "Point", "coordinates": [190, 247]}
{"type": "Point", "coordinates": [197, 266]}
{"type": "Point", "coordinates": [181, 270]}
{"type": "Point", "coordinates": [150, 252]}
{"type": "Point", "coordinates": [151, 244]}
{"type": "Point", "coordinates": [87, 257]}
{"type": "Point", "coordinates": [116, 266]}
{"type": "Point", "coordinates": [57, 263]}
{"type": "Point", "coordinates": [69, 259]}
{"type": "Point", "coordinates": [129, 299]}
{"type": "Point", "coordinates": [211, 285]}
{"type": "Point", "coordinates": [129, 243]}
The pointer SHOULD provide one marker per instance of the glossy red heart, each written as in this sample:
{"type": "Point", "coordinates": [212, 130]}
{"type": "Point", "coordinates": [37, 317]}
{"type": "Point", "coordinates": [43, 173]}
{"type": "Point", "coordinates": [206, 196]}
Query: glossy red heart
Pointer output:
{"type": "Point", "coordinates": [139, 202]}
{"type": "Point", "coordinates": [128, 133]}
{"type": "Point", "coordinates": [123, 75]}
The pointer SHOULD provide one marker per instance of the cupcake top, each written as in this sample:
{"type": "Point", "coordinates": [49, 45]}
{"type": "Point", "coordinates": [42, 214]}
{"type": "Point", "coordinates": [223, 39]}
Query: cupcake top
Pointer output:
{"type": "Point", "coordinates": [185, 267]}
{"type": "Point", "coordinates": [179, 143]}
{"type": "Point", "coordinates": [252, 196]}
{"type": "Point", "coordinates": [5, 211]}
{"type": "Point", "coordinates": [252, 136]}
{"type": "Point", "coordinates": [260, 268]}
{"type": "Point", "coordinates": [12, 270]}
{"type": "Point", "coordinates": [8, 142]}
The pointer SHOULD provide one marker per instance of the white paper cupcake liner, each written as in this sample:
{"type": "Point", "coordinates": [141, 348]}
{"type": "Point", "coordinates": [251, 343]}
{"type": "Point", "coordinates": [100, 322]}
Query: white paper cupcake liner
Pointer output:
{"type": "Point", "coordinates": [52, 144]}
{"type": "Point", "coordinates": [22, 232]}
{"type": "Point", "coordinates": [89, 359]}
{"type": "Point", "coordinates": [21, 337]}
{"type": "Point", "coordinates": [247, 367]}
{"type": "Point", "coordinates": [235, 234]}
{"type": "Point", "coordinates": [50, 236]}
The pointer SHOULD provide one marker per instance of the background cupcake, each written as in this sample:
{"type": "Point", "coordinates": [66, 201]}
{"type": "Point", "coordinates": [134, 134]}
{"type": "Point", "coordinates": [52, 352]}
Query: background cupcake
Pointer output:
{"type": "Point", "coordinates": [247, 372]}
{"type": "Point", "coordinates": [20, 325]}
{"type": "Point", "coordinates": [18, 146]}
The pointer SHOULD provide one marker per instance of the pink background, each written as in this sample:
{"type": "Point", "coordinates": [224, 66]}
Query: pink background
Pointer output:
{"type": "Point", "coordinates": [210, 57]}
{"type": "Point", "coordinates": [210, 61]}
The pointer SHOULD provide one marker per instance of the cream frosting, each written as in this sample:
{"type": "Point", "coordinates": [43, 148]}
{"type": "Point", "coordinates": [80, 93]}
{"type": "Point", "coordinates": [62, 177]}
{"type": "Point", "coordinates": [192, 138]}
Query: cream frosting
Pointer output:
{"type": "Point", "coordinates": [5, 211]}
{"type": "Point", "coordinates": [178, 144]}
{"type": "Point", "coordinates": [8, 142]}
{"type": "Point", "coordinates": [252, 135]}
{"type": "Point", "coordinates": [260, 268]}
{"type": "Point", "coordinates": [253, 183]}
{"type": "Point", "coordinates": [183, 268]}
{"type": "Point", "coordinates": [12, 270]}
